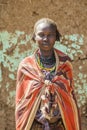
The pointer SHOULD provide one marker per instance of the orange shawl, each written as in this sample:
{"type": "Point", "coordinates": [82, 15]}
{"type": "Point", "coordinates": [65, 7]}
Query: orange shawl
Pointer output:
{"type": "Point", "coordinates": [31, 85]}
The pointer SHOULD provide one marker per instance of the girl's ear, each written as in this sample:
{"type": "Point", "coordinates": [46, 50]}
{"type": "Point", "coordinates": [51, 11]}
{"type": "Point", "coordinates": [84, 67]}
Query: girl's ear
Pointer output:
{"type": "Point", "coordinates": [58, 35]}
{"type": "Point", "coordinates": [33, 37]}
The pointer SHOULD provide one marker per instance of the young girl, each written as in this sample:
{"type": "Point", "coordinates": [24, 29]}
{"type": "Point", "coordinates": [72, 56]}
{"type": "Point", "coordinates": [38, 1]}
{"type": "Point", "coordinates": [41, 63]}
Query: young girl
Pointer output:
{"type": "Point", "coordinates": [44, 93]}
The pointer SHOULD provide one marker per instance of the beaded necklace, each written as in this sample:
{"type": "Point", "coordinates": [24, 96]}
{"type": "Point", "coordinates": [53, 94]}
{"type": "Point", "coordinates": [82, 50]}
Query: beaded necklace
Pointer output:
{"type": "Point", "coordinates": [51, 69]}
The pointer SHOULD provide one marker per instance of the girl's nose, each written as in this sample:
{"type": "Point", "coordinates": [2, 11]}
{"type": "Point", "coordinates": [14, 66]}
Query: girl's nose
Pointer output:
{"type": "Point", "coordinates": [45, 38]}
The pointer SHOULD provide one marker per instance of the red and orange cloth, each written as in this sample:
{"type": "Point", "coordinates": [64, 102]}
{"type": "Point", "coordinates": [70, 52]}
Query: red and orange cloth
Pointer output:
{"type": "Point", "coordinates": [31, 86]}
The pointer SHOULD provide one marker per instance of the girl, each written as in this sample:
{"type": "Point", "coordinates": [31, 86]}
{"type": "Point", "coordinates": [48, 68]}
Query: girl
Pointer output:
{"type": "Point", "coordinates": [44, 93]}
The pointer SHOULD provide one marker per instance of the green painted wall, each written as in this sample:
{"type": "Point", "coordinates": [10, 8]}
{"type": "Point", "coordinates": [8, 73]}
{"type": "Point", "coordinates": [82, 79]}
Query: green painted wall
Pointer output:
{"type": "Point", "coordinates": [15, 46]}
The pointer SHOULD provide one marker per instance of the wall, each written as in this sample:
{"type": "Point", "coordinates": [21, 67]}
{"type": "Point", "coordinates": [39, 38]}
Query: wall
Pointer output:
{"type": "Point", "coordinates": [17, 19]}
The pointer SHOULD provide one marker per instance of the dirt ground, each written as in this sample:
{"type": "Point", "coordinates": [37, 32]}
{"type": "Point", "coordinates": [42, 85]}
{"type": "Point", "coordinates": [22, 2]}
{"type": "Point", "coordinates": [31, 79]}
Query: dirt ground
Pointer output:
{"type": "Point", "coordinates": [71, 18]}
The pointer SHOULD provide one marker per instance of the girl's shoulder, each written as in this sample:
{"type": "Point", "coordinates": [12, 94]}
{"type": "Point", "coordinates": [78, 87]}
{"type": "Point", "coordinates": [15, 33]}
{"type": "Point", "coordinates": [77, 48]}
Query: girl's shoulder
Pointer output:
{"type": "Point", "coordinates": [62, 56]}
{"type": "Point", "coordinates": [27, 60]}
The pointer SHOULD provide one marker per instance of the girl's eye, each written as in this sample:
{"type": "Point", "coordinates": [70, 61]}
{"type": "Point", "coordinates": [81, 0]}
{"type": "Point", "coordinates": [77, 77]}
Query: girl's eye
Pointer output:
{"type": "Point", "coordinates": [51, 35]}
{"type": "Point", "coordinates": [41, 35]}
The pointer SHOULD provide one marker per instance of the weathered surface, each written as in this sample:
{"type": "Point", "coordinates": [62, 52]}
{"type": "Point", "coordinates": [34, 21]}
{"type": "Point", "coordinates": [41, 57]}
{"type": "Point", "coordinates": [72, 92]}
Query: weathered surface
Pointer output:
{"type": "Point", "coordinates": [17, 19]}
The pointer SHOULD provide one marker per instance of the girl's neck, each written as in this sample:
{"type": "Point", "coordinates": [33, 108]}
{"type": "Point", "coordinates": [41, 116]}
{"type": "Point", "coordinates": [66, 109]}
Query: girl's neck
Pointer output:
{"type": "Point", "coordinates": [46, 54]}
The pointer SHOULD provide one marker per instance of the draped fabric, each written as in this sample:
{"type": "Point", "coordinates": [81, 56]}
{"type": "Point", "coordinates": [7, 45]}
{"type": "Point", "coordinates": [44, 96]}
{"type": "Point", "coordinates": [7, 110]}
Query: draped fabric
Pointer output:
{"type": "Point", "coordinates": [31, 85]}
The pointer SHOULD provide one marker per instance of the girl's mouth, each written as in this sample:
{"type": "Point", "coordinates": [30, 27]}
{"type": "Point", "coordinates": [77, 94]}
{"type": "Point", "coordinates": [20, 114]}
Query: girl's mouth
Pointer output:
{"type": "Point", "coordinates": [45, 44]}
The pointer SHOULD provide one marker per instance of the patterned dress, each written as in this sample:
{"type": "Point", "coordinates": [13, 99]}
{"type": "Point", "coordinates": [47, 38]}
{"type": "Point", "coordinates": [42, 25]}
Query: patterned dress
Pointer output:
{"type": "Point", "coordinates": [48, 115]}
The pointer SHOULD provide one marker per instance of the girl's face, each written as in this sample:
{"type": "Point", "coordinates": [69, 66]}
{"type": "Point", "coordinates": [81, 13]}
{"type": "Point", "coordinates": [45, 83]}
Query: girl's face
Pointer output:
{"type": "Point", "coordinates": [45, 36]}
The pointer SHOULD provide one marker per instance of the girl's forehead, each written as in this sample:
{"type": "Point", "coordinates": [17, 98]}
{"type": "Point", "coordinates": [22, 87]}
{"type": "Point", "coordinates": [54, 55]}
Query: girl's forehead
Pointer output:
{"type": "Point", "coordinates": [44, 26]}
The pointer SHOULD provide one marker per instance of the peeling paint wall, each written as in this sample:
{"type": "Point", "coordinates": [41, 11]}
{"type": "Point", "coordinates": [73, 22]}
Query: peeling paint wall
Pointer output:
{"type": "Point", "coordinates": [16, 46]}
